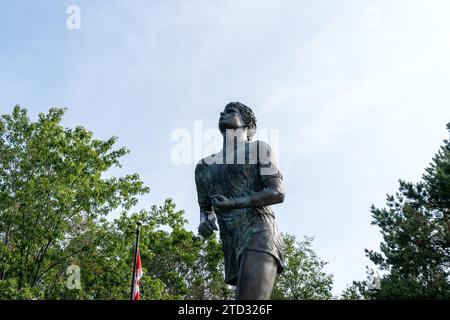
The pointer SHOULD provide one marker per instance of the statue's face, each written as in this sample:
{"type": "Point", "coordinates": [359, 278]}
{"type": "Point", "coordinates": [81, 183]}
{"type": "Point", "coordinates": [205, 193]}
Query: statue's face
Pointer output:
{"type": "Point", "coordinates": [230, 118]}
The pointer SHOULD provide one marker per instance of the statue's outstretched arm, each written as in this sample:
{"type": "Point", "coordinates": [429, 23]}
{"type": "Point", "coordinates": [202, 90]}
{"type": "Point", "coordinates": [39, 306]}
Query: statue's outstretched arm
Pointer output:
{"type": "Point", "coordinates": [272, 194]}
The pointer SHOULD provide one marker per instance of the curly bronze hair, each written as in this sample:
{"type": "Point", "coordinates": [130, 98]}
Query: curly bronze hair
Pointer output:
{"type": "Point", "coordinates": [247, 116]}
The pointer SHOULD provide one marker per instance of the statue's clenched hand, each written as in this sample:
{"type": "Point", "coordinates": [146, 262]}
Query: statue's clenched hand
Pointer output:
{"type": "Point", "coordinates": [221, 203]}
{"type": "Point", "coordinates": [207, 224]}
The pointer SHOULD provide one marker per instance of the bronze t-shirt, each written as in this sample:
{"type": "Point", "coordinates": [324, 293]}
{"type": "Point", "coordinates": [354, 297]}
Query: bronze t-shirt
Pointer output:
{"type": "Point", "coordinates": [247, 228]}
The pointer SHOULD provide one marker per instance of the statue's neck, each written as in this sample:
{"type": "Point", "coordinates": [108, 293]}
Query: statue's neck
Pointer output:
{"type": "Point", "coordinates": [233, 139]}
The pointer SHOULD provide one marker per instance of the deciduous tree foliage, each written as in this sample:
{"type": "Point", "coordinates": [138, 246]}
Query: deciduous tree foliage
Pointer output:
{"type": "Point", "coordinates": [51, 191]}
{"type": "Point", "coordinates": [303, 277]}
{"type": "Point", "coordinates": [177, 264]}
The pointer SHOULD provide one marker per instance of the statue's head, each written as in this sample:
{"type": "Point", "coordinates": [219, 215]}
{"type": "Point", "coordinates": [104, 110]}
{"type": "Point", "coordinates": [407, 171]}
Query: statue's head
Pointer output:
{"type": "Point", "coordinates": [238, 116]}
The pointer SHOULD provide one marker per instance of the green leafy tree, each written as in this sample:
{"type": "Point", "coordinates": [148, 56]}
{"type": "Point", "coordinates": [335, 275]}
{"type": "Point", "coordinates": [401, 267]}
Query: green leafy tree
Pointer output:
{"type": "Point", "coordinates": [352, 292]}
{"type": "Point", "coordinates": [51, 191]}
{"type": "Point", "coordinates": [415, 252]}
{"type": "Point", "coordinates": [303, 277]}
{"type": "Point", "coordinates": [177, 263]}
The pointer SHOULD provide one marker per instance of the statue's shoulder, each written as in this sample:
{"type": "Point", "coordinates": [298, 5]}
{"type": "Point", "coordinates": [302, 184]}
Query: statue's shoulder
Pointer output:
{"type": "Point", "coordinates": [258, 146]}
{"type": "Point", "coordinates": [261, 144]}
{"type": "Point", "coordinates": [205, 162]}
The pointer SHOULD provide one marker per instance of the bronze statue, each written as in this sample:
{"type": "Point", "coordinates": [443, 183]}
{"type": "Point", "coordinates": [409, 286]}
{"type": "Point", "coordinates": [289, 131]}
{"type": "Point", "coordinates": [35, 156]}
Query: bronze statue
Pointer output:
{"type": "Point", "coordinates": [235, 188]}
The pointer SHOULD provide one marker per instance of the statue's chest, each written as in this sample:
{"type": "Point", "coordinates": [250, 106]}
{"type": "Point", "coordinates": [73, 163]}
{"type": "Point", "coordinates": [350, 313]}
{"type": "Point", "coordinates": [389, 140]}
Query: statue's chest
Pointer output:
{"type": "Point", "coordinates": [234, 178]}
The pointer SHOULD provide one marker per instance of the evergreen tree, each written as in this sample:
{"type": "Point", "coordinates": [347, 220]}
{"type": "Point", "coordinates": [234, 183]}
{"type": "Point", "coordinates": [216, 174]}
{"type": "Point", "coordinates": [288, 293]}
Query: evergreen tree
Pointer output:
{"type": "Point", "coordinates": [415, 252]}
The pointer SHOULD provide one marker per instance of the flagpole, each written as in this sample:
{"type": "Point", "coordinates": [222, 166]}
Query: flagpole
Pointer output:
{"type": "Point", "coordinates": [136, 246]}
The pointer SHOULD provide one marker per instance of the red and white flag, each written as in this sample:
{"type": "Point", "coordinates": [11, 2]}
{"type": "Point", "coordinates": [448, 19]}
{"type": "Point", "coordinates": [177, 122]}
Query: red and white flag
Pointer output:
{"type": "Point", "coordinates": [138, 276]}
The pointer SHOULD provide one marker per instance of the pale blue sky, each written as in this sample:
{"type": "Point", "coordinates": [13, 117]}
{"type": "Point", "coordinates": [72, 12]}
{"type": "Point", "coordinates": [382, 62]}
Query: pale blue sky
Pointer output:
{"type": "Point", "coordinates": [358, 89]}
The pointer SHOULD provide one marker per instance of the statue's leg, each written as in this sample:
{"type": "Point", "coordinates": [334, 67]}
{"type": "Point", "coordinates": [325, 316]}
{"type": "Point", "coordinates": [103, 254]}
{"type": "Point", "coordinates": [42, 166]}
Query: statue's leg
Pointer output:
{"type": "Point", "coordinates": [257, 274]}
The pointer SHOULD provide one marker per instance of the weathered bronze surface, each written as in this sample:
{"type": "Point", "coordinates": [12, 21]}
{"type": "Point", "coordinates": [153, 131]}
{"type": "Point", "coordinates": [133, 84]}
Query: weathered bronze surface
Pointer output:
{"type": "Point", "coordinates": [236, 188]}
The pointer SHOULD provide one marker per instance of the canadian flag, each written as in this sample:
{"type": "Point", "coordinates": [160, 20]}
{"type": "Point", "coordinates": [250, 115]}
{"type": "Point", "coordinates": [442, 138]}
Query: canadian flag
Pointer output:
{"type": "Point", "coordinates": [138, 274]}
